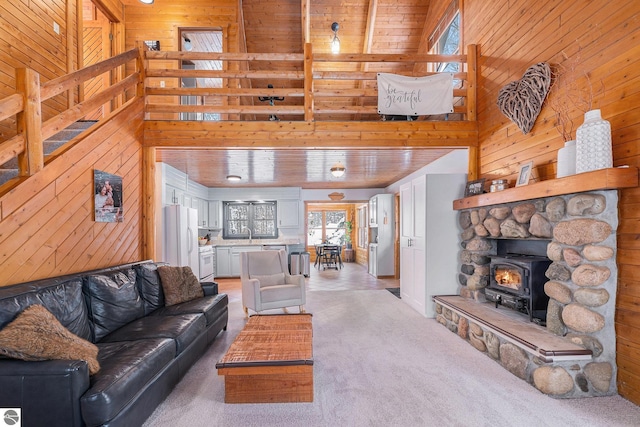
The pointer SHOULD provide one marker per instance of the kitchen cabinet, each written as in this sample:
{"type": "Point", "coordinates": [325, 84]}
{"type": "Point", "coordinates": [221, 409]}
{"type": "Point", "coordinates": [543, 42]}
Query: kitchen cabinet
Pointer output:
{"type": "Point", "coordinates": [228, 259]}
{"type": "Point", "coordinates": [203, 212]}
{"type": "Point", "coordinates": [429, 239]}
{"type": "Point", "coordinates": [173, 195]}
{"type": "Point", "coordinates": [235, 257]}
{"type": "Point", "coordinates": [288, 213]}
{"type": "Point", "coordinates": [214, 214]}
{"type": "Point", "coordinates": [382, 232]}
{"type": "Point", "coordinates": [373, 211]}
{"type": "Point", "coordinates": [223, 261]}
{"type": "Point", "coordinates": [186, 200]}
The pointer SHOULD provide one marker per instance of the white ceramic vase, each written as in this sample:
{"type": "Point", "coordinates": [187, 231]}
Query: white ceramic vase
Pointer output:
{"type": "Point", "coordinates": [593, 143]}
{"type": "Point", "coordinates": [567, 159]}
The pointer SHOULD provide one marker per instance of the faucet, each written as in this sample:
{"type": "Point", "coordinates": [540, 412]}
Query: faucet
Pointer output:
{"type": "Point", "coordinates": [249, 230]}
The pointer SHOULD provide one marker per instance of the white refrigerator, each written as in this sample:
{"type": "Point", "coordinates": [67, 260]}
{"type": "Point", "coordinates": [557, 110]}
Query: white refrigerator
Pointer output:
{"type": "Point", "coordinates": [181, 237]}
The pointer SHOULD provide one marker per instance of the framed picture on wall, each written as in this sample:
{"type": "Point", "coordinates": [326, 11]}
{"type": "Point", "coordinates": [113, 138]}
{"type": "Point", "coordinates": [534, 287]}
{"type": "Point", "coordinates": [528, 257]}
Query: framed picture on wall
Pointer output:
{"type": "Point", "coordinates": [474, 188]}
{"type": "Point", "coordinates": [524, 174]}
{"type": "Point", "coordinates": [107, 190]}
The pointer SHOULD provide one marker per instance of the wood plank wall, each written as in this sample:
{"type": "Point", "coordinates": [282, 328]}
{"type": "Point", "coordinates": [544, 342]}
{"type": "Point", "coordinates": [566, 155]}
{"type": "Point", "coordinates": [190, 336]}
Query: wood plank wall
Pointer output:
{"type": "Point", "coordinates": [47, 225]}
{"type": "Point", "coordinates": [43, 51]}
{"type": "Point", "coordinates": [594, 37]}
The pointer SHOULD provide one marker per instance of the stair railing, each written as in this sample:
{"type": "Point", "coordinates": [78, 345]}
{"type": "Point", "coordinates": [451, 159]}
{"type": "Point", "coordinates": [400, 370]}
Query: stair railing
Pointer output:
{"type": "Point", "coordinates": [26, 106]}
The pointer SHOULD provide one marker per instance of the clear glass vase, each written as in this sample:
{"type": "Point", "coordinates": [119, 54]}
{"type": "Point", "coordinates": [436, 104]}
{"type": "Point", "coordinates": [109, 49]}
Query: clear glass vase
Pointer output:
{"type": "Point", "coordinates": [593, 143]}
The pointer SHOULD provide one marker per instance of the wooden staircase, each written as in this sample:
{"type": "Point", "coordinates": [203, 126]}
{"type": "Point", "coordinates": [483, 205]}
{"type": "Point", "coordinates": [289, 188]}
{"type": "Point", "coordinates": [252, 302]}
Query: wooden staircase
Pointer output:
{"type": "Point", "coordinates": [9, 170]}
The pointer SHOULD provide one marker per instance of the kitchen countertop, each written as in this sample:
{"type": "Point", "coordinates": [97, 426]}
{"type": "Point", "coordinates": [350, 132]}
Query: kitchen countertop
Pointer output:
{"type": "Point", "coordinates": [254, 243]}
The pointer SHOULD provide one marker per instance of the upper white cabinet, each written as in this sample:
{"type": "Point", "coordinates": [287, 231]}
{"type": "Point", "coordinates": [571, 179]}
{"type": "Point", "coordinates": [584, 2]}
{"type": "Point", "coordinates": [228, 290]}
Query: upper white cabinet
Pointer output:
{"type": "Point", "coordinates": [373, 211]}
{"type": "Point", "coordinates": [214, 214]}
{"type": "Point", "coordinates": [288, 213]}
{"type": "Point", "coordinates": [173, 195]}
{"type": "Point", "coordinates": [203, 213]}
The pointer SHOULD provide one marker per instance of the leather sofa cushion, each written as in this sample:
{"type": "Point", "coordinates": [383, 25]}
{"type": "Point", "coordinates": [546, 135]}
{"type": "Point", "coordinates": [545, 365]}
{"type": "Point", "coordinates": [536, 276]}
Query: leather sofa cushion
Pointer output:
{"type": "Point", "coordinates": [113, 301]}
{"type": "Point", "coordinates": [150, 287]}
{"type": "Point", "coordinates": [184, 329]}
{"type": "Point", "coordinates": [62, 297]}
{"type": "Point", "coordinates": [126, 367]}
{"type": "Point", "coordinates": [211, 306]}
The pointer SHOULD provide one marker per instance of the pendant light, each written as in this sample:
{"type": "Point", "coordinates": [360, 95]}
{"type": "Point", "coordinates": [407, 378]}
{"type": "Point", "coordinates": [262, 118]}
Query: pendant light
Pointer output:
{"type": "Point", "coordinates": [335, 43]}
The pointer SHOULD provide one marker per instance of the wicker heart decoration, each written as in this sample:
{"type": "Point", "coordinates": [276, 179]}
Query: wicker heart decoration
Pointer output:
{"type": "Point", "coordinates": [521, 101]}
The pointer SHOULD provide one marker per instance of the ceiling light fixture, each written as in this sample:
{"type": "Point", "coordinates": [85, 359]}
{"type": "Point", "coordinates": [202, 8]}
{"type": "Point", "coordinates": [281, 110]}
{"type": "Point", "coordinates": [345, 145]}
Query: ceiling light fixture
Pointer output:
{"type": "Point", "coordinates": [187, 44]}
{"type": "Point", "coordinates": [338, 170]}
{"type": "Point", "coordinates": [233, 178]}
{"type": "Point", "coordinates": [146, 1]}
{"type": "Point", "coordinates": [335, 43]}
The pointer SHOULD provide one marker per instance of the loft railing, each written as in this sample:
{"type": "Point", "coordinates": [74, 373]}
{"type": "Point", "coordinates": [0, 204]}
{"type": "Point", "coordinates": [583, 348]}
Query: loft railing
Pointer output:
{"type": "Point", "coordinates": [316, 87]}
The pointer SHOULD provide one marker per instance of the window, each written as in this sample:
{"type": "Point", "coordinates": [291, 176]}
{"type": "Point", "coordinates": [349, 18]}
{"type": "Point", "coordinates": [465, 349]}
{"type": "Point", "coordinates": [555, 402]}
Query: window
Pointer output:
{"type": "Point", "coordinates": [326, 226]}
{"type": "Point", "coordinates": [245, 220]}
{"type": "Point", "coordinates": [445, 40]}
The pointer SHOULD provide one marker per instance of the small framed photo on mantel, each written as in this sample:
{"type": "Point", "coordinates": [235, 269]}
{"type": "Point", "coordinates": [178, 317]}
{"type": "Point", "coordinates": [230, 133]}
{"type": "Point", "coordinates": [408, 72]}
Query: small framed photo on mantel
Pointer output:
{"type": "Point", "coordinates": [473, 188]}
{"type": "Point", "coordinates": [524, 174]}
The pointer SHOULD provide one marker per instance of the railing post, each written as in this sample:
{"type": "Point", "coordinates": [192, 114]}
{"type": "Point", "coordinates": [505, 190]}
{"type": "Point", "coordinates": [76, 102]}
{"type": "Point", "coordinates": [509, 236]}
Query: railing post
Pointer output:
{"type": "Point", "coordinates": [29, 122]}
{"type": "Point", "coordinates": [472, 80]}
{"type": "Point", "coordinates": [149, 212]}
{"type": "Point", "coordinates": [141, 68]}
{"type": "Point", "coordinates": [308, 83]}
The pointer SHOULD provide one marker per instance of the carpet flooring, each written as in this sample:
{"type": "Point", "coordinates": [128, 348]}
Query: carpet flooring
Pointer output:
{"type": "Point", "coordinates": [379, 363]}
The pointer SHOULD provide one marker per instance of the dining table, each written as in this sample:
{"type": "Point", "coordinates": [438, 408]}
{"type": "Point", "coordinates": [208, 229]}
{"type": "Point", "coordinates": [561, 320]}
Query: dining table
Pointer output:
{"type": "Point", "coordinates": [328, 255]}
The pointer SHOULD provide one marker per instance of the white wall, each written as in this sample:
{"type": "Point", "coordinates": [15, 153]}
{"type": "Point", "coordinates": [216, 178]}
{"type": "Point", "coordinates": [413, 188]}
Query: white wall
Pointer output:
{"type": "Point", "coordinates": [455, 162]}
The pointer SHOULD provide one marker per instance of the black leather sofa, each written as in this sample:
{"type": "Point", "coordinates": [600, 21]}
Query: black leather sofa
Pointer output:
{"type": "Point", "coordinates": [145, 347]}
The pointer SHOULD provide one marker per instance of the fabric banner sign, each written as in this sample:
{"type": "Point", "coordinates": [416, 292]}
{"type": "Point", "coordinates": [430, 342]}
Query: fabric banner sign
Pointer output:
{"type": "Point", "coordinates": [415, 96]}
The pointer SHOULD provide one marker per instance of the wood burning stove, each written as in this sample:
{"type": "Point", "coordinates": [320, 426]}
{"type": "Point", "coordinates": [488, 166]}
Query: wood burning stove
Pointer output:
{"type": "Point", "coordinates": [517, 282]}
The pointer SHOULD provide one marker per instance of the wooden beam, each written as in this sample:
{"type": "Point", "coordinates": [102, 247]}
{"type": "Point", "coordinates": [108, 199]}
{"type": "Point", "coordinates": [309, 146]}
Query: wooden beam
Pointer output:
{"type": "Point", "coordinates": [310, 135]}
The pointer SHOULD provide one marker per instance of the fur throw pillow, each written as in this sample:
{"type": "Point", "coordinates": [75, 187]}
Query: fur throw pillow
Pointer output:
{"type": "Point", "coordinates": [36, 334]}
{"type": "Point", "coordinates": [179, 284]}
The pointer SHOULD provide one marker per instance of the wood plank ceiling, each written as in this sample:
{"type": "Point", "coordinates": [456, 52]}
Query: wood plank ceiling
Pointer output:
{"type": "Point", "coordinates": [283, 26]}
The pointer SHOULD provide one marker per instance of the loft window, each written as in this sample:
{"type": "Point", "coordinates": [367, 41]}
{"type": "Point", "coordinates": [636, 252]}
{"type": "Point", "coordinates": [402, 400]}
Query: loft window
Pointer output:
{"type": "Point", "coordinates": [445, 40]}
{"type": "Point", "coordinates": [244, 220]}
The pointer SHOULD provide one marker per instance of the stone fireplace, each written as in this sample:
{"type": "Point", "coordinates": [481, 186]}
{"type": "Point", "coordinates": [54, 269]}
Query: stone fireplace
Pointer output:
{"type": "Point", "coordinates": [579, 231]}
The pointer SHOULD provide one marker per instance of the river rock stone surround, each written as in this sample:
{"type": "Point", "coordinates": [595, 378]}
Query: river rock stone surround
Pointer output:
{"type": "Point", "coordinates": [582, 286]}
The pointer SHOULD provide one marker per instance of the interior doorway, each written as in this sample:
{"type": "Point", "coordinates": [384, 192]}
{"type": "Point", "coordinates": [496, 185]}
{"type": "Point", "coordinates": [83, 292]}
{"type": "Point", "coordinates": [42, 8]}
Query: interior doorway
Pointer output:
{"type": "Point", "coordinates": [97, 45]}
{"type": "Point", "coordinates": [201, 40]}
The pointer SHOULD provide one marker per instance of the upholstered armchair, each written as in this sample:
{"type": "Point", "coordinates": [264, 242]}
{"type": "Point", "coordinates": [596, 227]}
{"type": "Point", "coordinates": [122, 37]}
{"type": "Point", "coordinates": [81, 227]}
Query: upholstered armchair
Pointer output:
{"type": "Point", "coordinates": [267, 284]}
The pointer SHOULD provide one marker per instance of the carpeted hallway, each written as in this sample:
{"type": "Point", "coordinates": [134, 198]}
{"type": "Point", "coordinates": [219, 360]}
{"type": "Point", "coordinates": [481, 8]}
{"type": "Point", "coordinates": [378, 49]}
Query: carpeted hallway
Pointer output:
{"type": "Point", "coordinates": [379, 363]}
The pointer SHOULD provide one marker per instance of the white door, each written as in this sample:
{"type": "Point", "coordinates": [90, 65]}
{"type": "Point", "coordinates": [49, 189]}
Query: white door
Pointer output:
{"type": "Point", "coordinates": [413, 199]}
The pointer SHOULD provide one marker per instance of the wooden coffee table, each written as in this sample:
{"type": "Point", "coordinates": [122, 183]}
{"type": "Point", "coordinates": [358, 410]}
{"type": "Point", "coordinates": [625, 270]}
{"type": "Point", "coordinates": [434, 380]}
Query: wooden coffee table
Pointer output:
{"type": "Point", "coordinates": [271, 360]}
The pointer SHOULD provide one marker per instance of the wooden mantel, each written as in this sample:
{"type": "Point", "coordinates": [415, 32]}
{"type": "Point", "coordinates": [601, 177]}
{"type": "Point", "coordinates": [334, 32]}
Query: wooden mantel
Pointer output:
{"type": "Point", "coordinates": [603, 179]}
